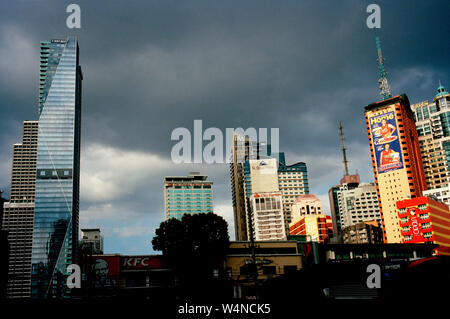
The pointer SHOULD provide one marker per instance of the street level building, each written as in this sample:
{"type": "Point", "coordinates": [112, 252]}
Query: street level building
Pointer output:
{"type": "Point", "coordinates": [271, 259]}
{"type": "Point", "coordinates": [190, 194]}
{"type": "Point", "coordinates": [19, 212]}
{"type": "Point", "coordinates": [396, 158]}
{"type": "Point", "coordinates": [425, 220]}
{"type": "Point", "coordinates": [368, 232]}
{"type": "Point", "coordinates": [140, 276]}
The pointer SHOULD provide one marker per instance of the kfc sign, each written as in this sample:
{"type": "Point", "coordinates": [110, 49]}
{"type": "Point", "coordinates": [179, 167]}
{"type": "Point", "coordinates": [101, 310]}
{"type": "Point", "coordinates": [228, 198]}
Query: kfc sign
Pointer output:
{"type": "Point", "coordinates": [141, 262]}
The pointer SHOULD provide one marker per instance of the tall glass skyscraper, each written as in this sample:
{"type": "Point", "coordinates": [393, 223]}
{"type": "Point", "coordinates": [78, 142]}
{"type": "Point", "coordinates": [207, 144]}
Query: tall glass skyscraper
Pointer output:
{"type": "Point", "coordinates": [57, 169]}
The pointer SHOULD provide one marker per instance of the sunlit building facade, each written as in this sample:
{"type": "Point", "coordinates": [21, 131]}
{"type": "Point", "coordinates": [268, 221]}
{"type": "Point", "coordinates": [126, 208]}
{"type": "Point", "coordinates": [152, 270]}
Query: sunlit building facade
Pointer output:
{"type": "Point", "coordinates": [425, 220]}
{"type": "Point", "coordinates": [396, 159]}
{"type": "Point", "coordinates": [316, 227]}
{"type": "Point", "coordinates": [433, 129]}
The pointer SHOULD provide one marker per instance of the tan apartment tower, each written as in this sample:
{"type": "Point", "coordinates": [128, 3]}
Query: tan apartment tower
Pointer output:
{"type": "Point", "coordinates": [396, 158]}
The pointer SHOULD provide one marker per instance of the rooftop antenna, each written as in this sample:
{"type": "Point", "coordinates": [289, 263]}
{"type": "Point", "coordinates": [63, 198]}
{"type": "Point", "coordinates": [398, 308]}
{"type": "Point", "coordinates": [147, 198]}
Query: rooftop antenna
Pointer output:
{"type": "Point", "coordinates": [384, 85]}
{"type": "Point", "coordinates": [344, 154]}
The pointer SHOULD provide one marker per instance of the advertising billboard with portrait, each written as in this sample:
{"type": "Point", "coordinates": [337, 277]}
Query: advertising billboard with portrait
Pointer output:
{"type": "Point", "coordinates": [383, 129]}
{"type": "Point", "coordinates": [105, 271]}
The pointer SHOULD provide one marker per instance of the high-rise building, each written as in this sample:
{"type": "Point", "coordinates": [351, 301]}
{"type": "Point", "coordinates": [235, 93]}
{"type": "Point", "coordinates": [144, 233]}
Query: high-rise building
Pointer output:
{"type": "Point", "coordinates": [422, 220]}
{"type": "Point", "coordinates": [347, 182]}
{"type": "Point", "coordinates": [4, 252]}
{"type": "Point", "coordinates": [243, 149]}
{"type": "Point", "coordinates": [266, 220]}
{"type": "Point", "coordinates": [317, 227]}
{"type": "Point", "coordinates": [306, 205]}
{"type": "Point", "coordinates": [368, 232]}
{"type": "Point", "coordinates": [19, 212]}
{"type": "Point", "coordinates": [190, 194]}
{"type": "Point", "coordinates": [55, 232]}
{"type": "Point", "coordinates": [359, 204]}
{"type": "Point", "coordinates": [292, 181]}
{"type": "Point", "coordinates": [396, 158]}
{"type": "Point", "coordinates": [433, 129]}
{"type": "Point", "coordinates": [267, 216]}
{"type": "Point", "coordinates": [92, 241]}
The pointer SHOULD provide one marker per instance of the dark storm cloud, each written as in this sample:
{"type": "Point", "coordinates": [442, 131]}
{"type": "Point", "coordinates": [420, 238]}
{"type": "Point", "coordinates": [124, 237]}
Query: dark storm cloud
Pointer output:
{"type": "Point", "coordinates": [152, 66]}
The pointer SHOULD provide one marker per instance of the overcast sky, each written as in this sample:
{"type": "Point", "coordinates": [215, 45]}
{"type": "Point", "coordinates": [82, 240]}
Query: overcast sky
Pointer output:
{"type": "Point", "coordinates": [152, 66]}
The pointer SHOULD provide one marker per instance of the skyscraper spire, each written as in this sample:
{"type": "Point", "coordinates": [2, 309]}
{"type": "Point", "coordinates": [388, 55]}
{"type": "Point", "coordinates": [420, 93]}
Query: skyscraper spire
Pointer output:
{"type": "Point", "coordinates": [344, 154]}
{"type": "Point", "coordinates": [384, 85]}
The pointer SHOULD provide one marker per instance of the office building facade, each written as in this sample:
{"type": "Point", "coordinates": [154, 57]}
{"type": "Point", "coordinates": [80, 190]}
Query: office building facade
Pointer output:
{"type": "Point", "coordinates": [368, 232]}
{"type": "Point", "coordinates": [292, 181]}
{"type": "Point", "coordinates": [396, 158]}
{"type": "Point", "coordinates": [267, 217]}
{"type": "Point", "coordinates": [335, 198]}
{"type": "Point", "coordinates": [425, 220]}
{"type": "Point", "coordinates": [433, 129]}
{"type": "Point", "coordinates": [359, 204]}
{"type": "Point", "coordinates": [55, 232]}
{"type": "Point", "coordinates": [190, 194]}
{"type": "Point", "coordinates": [19, 212]}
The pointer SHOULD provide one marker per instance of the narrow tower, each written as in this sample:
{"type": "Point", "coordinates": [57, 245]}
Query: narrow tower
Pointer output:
{"type": "Point", "coordinates": [344, 153]}
{"type": "Point", "coordinates": [384, 85]}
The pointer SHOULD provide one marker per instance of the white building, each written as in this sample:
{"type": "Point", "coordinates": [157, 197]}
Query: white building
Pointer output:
{"type": "Point", "coordinates": [267, 217]}
{"type": "Point", "coordinates": [442, 194]}
{"type": "Point", "coordinates": [358, 204]}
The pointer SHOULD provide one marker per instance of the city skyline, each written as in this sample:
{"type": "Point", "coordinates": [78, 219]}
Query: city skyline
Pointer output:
{"type": "Point", "coordinates": [108, 181]}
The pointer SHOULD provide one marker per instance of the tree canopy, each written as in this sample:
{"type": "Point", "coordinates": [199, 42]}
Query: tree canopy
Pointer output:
{"type": "Point", "coordinates": [198, 239]}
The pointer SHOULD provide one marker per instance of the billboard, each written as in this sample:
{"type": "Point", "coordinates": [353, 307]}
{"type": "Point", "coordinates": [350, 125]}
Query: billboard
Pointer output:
{"type": "Point", "coordinates": [105, 271]}
{"type": "Point", "coordinates": [141, 262]}
{"type": "Point", "coordinates": [387, 149]}
{"type": "Point", "coordinates": [264, 175]}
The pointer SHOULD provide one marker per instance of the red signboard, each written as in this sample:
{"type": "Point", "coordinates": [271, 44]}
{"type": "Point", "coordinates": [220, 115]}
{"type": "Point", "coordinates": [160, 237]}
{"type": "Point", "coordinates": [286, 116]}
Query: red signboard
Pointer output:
{"type": "Point", "coordinates": [106, 271]}
{"type": "Point", "coordinates": [141, 262]}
